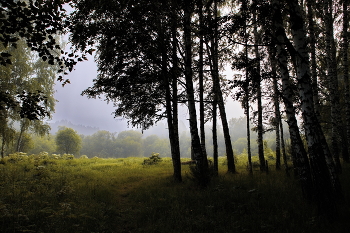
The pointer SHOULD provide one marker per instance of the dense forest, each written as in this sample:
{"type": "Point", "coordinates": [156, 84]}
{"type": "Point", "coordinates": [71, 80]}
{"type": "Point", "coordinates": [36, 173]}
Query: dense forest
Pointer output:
{"type": "Point", "coordinates": [288, 62]}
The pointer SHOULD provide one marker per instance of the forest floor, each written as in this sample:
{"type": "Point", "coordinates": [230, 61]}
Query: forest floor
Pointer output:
{"type": "Point", "coordinates": [39, 193]}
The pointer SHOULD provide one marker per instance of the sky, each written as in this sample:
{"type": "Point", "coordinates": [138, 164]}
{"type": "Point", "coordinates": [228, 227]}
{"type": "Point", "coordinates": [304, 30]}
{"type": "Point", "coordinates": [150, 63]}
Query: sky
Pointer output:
{"type": "Point", "coordinates": [80, 110]}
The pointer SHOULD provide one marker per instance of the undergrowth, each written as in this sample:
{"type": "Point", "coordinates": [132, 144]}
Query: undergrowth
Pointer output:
{"type": "Point", "coordinates": [42, 193]}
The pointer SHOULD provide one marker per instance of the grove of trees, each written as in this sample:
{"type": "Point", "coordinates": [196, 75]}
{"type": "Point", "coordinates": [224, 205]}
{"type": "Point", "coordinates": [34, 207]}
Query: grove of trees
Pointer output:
{"type": "Point", "coordinates": [289, 60]}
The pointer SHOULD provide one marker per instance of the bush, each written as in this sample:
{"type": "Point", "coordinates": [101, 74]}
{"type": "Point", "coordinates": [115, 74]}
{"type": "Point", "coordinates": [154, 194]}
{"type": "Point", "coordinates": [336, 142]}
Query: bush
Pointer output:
{"type": "Point", "coordinates": [154, 159]}
{"type": "Point", "coordinates": [16, 157]}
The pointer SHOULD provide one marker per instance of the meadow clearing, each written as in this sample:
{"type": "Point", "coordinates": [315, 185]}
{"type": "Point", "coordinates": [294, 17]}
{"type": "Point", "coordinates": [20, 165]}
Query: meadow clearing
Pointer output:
{"type": "Point", "coordinates": [51, 193]}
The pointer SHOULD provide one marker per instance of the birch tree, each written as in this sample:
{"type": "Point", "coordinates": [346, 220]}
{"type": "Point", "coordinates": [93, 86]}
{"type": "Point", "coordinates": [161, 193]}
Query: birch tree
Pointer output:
{"type": "Point", "coordinates": [325, 180]}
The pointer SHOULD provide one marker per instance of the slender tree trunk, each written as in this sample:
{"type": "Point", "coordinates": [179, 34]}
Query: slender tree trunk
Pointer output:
{"type": "Point", "coordinates": [201, 164]}
{"type": "Point", "coordinates": [272, 58]}
{"type": "Point", "coordinates": [3, 147]}
{"type": "Point", "coordinates": [249, 150]}
{"type": "Point", "coordinates": [215, 136]}
{"type": "Point", "coordinates": [325, 179]}
{"type": "Point", "coordinates": [216, 82]}
{"type": "Point", "coordinates": [284, 155]}
{"type": "Point", "coordinates": [246, 86]}
{"type": "Point", "coordinates": [257, 80]}
{"type": "Point", "coordinates": [345, 48]}
{"type": "Point", "coordinates": [311, 27]}
{"type": "Point", "coordinates": [333, 84]}
{"type": "Point", "coordinates": [300, 159]}
{"type": "Point", "coordinates": [19, 141]}
{"type": "Point", "coordinates": [201, 79]}
{"type": "Point", "coordinates": [172, 112]}
{"type": "Point", "coordinates": [20, 136]}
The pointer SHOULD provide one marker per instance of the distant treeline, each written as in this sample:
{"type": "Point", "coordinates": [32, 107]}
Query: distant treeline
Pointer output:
{"type": "Point", "coordinates": [105, 144]}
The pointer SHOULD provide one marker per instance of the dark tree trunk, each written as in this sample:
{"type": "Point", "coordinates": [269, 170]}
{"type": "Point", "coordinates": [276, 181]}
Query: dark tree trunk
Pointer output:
{"type": "Point", "coordinates": [201, 165]}
{"type": "Point", "coordinates": [345, 49]}
{"type": "Point", "coordinates": [277, 120]}
{"type": "Point", "coordinates": [249, 150]}
{"type": "Point", "coordinates": [257, 80]}
{"type": "Point", "coordinates": [325, 179]}
{"type": "Point", "coordinates": [20, 136]}
{"type": "Point", "coordinates": [201, 79]}
{"type": "Point", "coordinates": [332, 78]}
{"type": "Point", "coordinates": [246, 86]}
{"type": "Point", "coordinates": [311, 27]}
{"type": "Point", "coordinates": [217, 90]}
{"type": "Point", "coordinates": [300, 159]}
{"type": "Point", "coordinates": [3, 147]}
{"type": "Point", "coordinates": [284, 155]}
{"type": "Point", "coordinates": [172, 115]}
{"type": "Point", "coordinates": [215, 137]}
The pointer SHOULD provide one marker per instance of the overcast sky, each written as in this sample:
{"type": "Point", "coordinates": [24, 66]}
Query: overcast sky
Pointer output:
{"type": "Point", "coordinates": [77, 109]}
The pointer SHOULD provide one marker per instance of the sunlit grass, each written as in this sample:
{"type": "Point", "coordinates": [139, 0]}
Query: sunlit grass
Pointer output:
{"type": "Point", "coordinates": [40, 193]}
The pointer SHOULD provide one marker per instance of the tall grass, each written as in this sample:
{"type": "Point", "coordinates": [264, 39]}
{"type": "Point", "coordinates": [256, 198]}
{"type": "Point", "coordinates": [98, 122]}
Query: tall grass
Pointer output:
{"type": "Point", "coordinates": [41, 193]}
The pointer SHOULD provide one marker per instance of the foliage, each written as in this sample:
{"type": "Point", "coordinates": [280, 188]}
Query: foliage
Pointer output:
{"type": "Point", "coordinates": [29, 82]}
{"type": "Point", "coordinates": [37, 23]}
{"type": "Point", "coordinates": [128, 55]}
{"type": "Point", "coordinates": [34, 25]}
{"type": "Point", "coordinates": [68, 141]}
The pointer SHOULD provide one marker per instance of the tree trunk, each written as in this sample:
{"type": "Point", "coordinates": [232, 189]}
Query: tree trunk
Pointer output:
{"type": "Point", "coordinates": [249, 150]}
{"type": "Point", "coordinates": [20, 136]}
{"type": "Point", "coordinates": [215, 137]}
{"type": "Point", "coordinates": [325, 179]}
{"type": "Point", "coordinates": [284, 155]}
{"type": "Point", "coordinates": [172, 115]}
{"type": "Point", "coordinates": [333, 84]}
{"type": "Point", "coordinates": [201, 79]}
{"type": "Point", "coordinates": [311, 27]}
{"type": "Point", "coordinates": [345, 50]}
{"type": "Point", "coordinates": [201, 165]}
{"type": "Point", "coordinates": [217, 89]}
{"type": "Point", "coordinates": [257, 80]}
{"type": "Point", "coordinates": [3, 147]}
{"type": "Point", "coordinates": [277, 120]}
{"type": "Point", "coordinates": [300, 159]}
{"type": "Point", "coordinates": [246, 86]}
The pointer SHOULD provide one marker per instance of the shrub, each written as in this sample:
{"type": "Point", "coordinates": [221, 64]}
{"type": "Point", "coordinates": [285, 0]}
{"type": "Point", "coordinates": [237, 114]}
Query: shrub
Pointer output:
{"type": "Point", "coordinates": [154, 159]}
{"type": "Point", "coordinates": [16, 157]}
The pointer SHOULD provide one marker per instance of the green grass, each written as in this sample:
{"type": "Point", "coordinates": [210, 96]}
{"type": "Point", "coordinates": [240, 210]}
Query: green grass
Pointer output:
{"type": "Point", "coordinates": [42, 194]}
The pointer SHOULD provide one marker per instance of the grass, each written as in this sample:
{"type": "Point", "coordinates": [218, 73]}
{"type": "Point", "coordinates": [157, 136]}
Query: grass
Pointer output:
{"type": "Point", "coordinates": [41, 194]}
